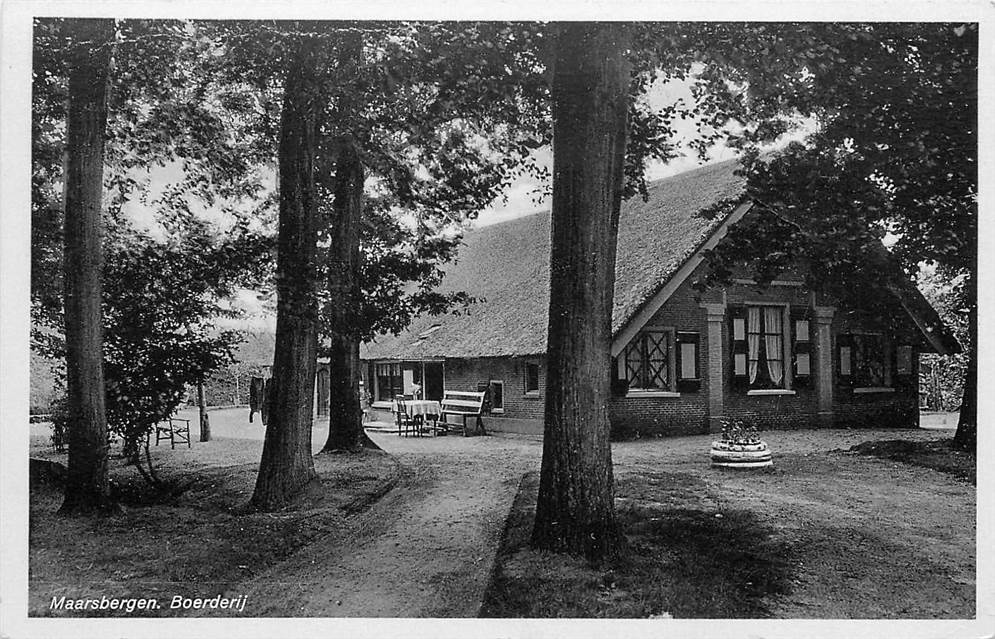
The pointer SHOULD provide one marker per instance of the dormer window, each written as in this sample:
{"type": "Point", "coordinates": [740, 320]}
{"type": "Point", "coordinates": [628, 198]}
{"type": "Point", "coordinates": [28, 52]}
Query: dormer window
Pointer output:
{"type": "Point", "coordinates": [429, 331]}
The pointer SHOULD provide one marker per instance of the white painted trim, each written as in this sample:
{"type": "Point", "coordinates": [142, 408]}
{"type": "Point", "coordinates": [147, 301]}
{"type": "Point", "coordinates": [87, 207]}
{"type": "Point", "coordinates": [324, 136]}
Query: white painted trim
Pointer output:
{"type": "Point", "coordinates": [873, 389]}
{"type": "Point", "coordinates": [531, 361]}
{"type": "Point", "coordinates": [501, 382]}
{"type": "Point", "coordinates": [649, 309]}
{"type": "Point", "coordinates": [771, 391]}
{"type": "Point", "coordinates": [636, 394]}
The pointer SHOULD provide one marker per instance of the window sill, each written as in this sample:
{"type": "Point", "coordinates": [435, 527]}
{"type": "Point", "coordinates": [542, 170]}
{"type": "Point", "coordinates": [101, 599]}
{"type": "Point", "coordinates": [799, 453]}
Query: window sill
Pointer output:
{"type": "Point", "coordinates": [873, 389]}
{"type": "Point", "coordinates": [531, 395]}
{"type": "Point", "coordinates": [638, 393]}
{"type": "Point", "coordinates": [770, 391]}
{"type": "Point", "coordinates": [497, 411]}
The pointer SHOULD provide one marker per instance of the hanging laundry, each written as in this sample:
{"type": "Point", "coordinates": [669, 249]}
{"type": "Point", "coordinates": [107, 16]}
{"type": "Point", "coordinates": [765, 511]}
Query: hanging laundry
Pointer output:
{"type": "Point", "coordinates": [266, 395]}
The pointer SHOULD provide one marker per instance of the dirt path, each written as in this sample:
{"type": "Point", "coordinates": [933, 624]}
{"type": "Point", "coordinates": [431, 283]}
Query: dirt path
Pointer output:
{"type": "Point", "coordinates": [424, 550]}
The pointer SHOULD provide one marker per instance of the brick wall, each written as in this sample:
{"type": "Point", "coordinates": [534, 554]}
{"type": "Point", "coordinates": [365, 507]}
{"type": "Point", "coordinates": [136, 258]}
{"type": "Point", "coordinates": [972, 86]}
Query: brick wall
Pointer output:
{"type": "Point", "coordinates": [654, 417]}
{"type": "Point", "coordinates": [463, 374]}
{"type": "Point", "coordinates": [768, 412]}
{"type": "Point", "coordinates": [633, 416]}
{"type": "Point", "coordinates": [688, 413]}
{"type": "Point", "coordinates": [876, 410]}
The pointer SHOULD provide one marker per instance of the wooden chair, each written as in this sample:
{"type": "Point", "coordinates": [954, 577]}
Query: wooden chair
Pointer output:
{"type": "Point", "coordinates": [175, 430]}
{"type": "Point", "coordinates": [404, 421]}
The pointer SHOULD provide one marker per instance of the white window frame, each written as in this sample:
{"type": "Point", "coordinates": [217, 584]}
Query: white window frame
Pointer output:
{"type": "Point", "coordinates": [671, 337]}
{"type": "Point", "coordinates": [528, 392]}
{"type": "Point", "coordinates": [498, 382]}
{"type": "Point", "coordinates": [787, 330]}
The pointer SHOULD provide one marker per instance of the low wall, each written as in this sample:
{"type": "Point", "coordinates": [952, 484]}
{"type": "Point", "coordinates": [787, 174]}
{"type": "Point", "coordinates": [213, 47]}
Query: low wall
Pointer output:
{"type": "Point", "coordinates": [513, 425]}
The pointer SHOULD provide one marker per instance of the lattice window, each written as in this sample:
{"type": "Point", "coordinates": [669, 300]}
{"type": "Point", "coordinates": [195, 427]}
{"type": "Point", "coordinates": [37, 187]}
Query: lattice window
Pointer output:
{"type": "Point", "coordinates": [647, 361]}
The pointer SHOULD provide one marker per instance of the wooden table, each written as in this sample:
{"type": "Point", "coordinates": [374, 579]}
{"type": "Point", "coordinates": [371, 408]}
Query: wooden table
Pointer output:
{"type": "Point", "coordinates": [422, 410]}
{"type": "Point", "coordinates": [424, 407]}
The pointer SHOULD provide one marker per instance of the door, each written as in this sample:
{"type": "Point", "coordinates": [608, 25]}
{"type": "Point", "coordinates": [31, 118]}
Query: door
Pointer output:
{"type": "Point", "coordinates": [434, 381]}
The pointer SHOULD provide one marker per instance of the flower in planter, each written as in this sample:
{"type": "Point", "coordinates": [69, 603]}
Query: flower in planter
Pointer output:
{"type": "Point", "coordinates": [738, 432]}
{"type": "Point", "coordinates": [740, 447]}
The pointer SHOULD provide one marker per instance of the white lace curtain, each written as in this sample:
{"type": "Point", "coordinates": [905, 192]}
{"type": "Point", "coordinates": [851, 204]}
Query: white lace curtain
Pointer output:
{"type": "Point", "coordinates": [753, 340]}
{"type": "Point", "coordinates": [772, 331]}
{"type": "Point", "coordinates": [773, 336]}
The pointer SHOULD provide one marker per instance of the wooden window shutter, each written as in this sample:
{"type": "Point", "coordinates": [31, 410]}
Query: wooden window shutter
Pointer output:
{"type": "Point", "coordinates": [844, 359]}
{"type": "Point", "coordinates": [801, 347]}
{"type": "Point", "coordinates": [688, 353]}
{"type": "Point", "coordinates": [739, 362]}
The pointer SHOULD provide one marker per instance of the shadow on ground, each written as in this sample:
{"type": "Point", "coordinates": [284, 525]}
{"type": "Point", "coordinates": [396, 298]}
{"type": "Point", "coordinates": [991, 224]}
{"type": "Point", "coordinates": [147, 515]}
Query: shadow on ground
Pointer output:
{"type": "Point", "coordinates": [681, 562]}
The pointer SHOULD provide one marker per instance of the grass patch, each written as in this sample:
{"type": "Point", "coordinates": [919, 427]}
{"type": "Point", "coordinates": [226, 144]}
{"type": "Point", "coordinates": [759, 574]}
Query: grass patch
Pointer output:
{"type": "Point", "coordinates": [201, 544]}
{"type": "Point", "coordinates": [940, 455]}
{"type": "Point", "coordinates": [683, 562]}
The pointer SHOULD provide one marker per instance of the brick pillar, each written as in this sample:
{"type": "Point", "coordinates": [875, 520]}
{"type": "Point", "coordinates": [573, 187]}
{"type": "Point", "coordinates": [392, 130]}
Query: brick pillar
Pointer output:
{"type": "Point", "coordinates": [823, 320]}
{"type": "Point", "coordinates": [715, 366]}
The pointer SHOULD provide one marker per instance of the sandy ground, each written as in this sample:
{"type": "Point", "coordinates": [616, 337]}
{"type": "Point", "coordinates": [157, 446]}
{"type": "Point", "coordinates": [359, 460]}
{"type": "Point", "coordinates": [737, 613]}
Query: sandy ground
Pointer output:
{"type": "Point", "coordinates": [426, 549]}
{"type": "Point", "coordinates": [874, 538]}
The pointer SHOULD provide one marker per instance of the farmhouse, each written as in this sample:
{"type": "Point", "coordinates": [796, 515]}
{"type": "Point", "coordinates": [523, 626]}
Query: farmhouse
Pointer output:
{"type": "Point", "coordinates": [683, 359]}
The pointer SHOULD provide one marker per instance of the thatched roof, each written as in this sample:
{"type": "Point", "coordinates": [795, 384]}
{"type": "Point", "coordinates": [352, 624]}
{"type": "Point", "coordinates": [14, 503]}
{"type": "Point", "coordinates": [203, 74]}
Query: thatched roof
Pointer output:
{"type": "Point", "coordinates": [506, 266]}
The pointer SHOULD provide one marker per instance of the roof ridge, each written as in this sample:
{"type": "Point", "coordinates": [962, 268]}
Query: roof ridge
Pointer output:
{"type": "Point", "coordinates": [702, 168]}
{"type": "Point", "coordinates": [507, 263]}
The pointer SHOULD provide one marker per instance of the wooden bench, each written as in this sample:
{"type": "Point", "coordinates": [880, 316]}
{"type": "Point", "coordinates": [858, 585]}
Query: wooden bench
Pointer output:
{"type": "Point", "coordinates": [175, 430]}
{"type": "Point", "coordinates": [463, 404]}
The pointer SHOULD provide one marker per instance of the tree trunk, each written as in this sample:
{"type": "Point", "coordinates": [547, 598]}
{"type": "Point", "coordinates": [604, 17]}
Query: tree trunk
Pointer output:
{"type": "Point", "coordinates": [287, 465]}
{"type": "Point", "coordinates": [345, 415]}
{"type": "Point", "coordinates": [575, 511]}
{"type": "Point", "coordinates": [966, 437]}
{"type": "Point", "coordinates": [87, 488]}
{"type": "Point", "coordinates": [205, 422]}
{"type": "Point", "coordinates": [345, 425]}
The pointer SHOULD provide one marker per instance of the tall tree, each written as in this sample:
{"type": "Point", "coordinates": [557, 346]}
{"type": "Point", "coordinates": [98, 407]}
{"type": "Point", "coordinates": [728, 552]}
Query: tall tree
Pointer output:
{"type": "Point", "coordinates": [575, 512]}
{"type": "Point", "coordinates": [345, 428]}
{"type": "Point", "coordinates": [404, 159]}
{"type": "Point", "coordinates": [467, 94]}
{"type": "Point", "coordinates": [87, 488]}
{"type": "Point", "coordinates": [166, 270]}
{"type": "Point", "coordinates": [892, 146]}
{"type": "Point", "coordinates": [287, 465]}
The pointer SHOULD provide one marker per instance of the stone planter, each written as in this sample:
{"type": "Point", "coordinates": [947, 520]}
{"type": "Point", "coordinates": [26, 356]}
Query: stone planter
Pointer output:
{"type": "Point", "coordinates": [729, 454]}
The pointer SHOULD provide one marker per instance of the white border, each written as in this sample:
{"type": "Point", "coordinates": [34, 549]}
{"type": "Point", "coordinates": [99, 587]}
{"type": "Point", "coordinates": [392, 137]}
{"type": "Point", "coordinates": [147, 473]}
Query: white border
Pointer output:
{"type": "Point", "coordinates": [15, 20]}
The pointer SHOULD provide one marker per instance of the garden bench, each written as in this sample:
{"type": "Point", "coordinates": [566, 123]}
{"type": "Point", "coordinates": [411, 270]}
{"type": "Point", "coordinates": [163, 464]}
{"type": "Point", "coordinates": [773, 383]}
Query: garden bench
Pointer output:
{"type": "Point", "coordinates": [463, 404]}
{"type": "Point", "coordinates": [175, 430]}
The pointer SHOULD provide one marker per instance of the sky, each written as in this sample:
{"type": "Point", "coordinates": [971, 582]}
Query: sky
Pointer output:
{"type": "Point", "coordinates": [523, 197]}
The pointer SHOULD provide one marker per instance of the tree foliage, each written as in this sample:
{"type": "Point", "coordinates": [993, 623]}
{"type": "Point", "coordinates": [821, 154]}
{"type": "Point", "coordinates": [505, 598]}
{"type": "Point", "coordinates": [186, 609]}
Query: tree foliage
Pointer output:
{"type": "Point", "coordinates": [942, 376]}
{"type": "Point", "coordinates": [163, 301]}
{"type": "Point", "coordinates": [891, 150]}
{"type": "Point", "coordinates": [165, 275]}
